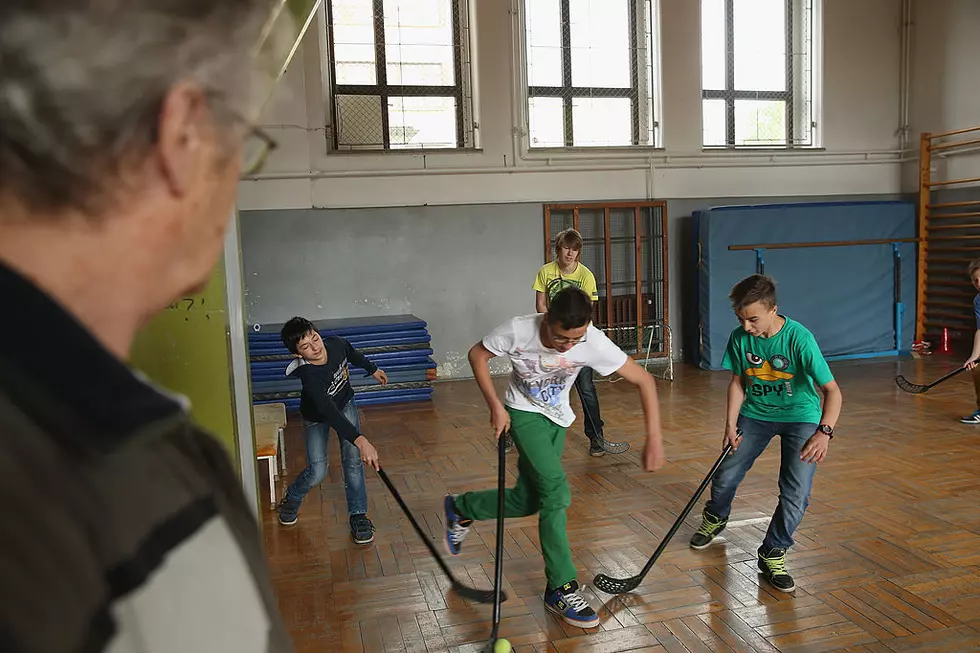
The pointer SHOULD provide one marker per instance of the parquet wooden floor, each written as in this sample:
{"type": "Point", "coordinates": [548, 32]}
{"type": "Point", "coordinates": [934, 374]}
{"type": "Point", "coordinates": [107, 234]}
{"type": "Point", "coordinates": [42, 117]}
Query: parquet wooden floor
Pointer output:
{"type": "Point", "coordinates": [887, 558]}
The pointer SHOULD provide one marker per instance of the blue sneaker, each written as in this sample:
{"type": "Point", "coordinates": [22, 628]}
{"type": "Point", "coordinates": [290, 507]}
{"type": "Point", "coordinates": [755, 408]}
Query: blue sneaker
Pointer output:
{"type": "Point", "coordinates": [456, 526]}
{"type": "Point", "coordinates": [566, 602]}
{"type": "Point", "coordinates": [973, 418]}
{"type": "Point", "coordinates": [288, 512]}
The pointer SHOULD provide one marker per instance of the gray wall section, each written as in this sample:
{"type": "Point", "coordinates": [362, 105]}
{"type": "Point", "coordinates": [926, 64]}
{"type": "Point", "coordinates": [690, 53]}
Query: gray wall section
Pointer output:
{"type": "Point", "coordinates": [462, 269]}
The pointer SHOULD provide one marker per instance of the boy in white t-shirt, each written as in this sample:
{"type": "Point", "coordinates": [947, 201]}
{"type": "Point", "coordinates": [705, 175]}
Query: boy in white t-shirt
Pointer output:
{"type": "Point", "coordinates": [547, 351]}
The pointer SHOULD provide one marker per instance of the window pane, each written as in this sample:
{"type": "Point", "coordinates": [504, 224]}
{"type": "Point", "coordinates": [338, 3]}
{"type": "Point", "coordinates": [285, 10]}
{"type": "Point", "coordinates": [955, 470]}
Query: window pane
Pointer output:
{"type": "Point", "coordinates": [600, 43]}
{"type": "Point", "coordinates": [543, 35]}
{"type": "Point", "coordinates": [713, 132]}
{"type": "Point", "coordinates": [601, 122]}
{"type": "Point", "coordinates": [760, 122]}
{"type": "Point", "coordinates": [713, 44]}
{"type": "Point", "coordinates": [419, 42]}
{"type": "Point", "coordinates": [359, 122]}
{"type": "Point", "coordinates": [353, 42]}
{"type": "Point", "coordinates": [546, 118]}
{"type": "Point", "coordinates": [760, 45]}
{"type": "Point", "coordinates": [422, 122]}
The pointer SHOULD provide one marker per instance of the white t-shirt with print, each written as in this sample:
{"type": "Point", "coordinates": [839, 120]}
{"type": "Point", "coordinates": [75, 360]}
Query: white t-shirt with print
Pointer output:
{"type": "Point", "coordinates": [542, 378]}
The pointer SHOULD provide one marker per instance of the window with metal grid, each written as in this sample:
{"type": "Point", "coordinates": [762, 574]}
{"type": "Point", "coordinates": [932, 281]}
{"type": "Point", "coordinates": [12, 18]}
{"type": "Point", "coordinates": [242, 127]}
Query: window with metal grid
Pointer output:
{"type": "Point", "coordinates": [399, 74]}
{"type": "Point", "coordinates": [757, 73]}
{"type": "Point", "coordinates": [591, 72]}
{"type": "Point", "coordinates": [624, 244]}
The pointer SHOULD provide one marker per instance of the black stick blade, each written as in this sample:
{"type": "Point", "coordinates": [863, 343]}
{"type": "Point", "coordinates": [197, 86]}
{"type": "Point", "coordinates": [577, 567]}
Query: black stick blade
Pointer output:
{"type": "Point", "coordinates": [611, 585]}
{"type": "Point", "coordinates": [478, 595]}
{"type": "Point", "coordinates": [908, 386]}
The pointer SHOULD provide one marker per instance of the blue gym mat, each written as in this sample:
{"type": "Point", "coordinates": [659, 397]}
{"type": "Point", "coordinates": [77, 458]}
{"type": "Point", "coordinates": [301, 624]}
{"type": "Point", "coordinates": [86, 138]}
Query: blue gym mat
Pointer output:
{"type": "Point", "coordinates": [376, 398]}
{"type": "Point", "coordinates": [264, 384]}
{"type": "Point", "coordinates": [845, 295]}
{"type": "Point", "coordinates": [397, 343]}
{"type": "Point", "coordinates": [348, 326]}
{"type": "Point", "coordinates": [393, 372]}
{"type": "Point", "coordinates": [274, 340]}
{"type": "Point", "coordinates": [359, 344]}
{"type": "Point", "coordinates": [419, 357]}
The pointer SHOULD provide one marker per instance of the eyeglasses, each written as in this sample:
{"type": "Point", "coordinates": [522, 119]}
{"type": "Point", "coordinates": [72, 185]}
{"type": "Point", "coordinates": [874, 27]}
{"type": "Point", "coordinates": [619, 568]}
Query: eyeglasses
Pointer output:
{"type": "Point", "coordinates": [258, 145]}
{"type": "Point", "coordinates": [563, 340]}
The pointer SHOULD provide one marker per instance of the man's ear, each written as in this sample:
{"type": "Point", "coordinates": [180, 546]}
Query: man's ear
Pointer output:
{"type": "Point", "coordinates": [179, 138]}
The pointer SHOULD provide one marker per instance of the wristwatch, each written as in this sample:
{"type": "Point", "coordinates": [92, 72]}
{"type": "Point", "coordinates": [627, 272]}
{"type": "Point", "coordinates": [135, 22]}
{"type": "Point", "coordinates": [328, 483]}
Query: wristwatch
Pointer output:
{"type": "Point", "coordinates": [826, 430]}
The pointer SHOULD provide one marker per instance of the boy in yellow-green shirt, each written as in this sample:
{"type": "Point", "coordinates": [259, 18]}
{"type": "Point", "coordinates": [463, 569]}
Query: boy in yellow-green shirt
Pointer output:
{"type": "Point", "coordinates": [566, 270]}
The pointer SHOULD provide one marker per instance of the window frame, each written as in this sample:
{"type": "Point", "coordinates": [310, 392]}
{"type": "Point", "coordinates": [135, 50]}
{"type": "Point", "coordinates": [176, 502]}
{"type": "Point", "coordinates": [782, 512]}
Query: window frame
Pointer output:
{"type": "Point", "coordinates": [461, 90]}
{"type": "Point", "coordinates": [791, 96]}
{"type": "Point", "coordinates": [568, 92]}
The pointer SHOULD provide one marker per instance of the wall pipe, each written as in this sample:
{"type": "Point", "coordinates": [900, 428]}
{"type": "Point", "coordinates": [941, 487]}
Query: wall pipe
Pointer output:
{"type": "Point", "coordinates": [640, 165]}
{"type": "Point", "coordinates": [905, 80]}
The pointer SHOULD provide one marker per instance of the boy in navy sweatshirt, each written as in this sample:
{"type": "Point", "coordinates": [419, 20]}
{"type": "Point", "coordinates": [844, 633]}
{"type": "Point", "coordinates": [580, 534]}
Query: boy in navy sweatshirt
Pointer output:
{"type": "Point", "coordinates": [328, 402]}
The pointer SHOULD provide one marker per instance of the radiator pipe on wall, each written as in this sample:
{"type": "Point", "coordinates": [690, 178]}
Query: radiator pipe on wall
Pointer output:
{"type": "Point", "coordinates": [905, 81]}
{"type": "Point", "coordinates": [516, 109]}
{"type": "Point", "coordinates": [639, 165]}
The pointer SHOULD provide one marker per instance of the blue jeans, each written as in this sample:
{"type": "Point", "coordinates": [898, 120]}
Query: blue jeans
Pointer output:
{"type": "Point", "coordinates": [316, 464]}
{"type": "Point", "coordinates": [795, 476]}
{"type": "Point", "coordinates": [585, 385]}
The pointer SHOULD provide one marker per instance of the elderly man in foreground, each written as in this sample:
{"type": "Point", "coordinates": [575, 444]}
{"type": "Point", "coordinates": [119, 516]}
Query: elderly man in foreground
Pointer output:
{"type": "Point", "coordinates": [123, 131]}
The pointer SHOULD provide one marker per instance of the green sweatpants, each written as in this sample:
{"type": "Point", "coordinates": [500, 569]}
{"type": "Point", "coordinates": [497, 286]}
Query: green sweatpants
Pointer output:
{"type": "Point", "coordinates": [541, 488]}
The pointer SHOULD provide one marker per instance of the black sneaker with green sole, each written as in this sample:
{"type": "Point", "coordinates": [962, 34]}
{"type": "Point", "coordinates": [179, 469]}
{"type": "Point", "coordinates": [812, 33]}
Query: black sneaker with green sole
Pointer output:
{"type": "Point", "coordinates": [710, 527]}
{"type": "Point", "coordinates": [772, 564]}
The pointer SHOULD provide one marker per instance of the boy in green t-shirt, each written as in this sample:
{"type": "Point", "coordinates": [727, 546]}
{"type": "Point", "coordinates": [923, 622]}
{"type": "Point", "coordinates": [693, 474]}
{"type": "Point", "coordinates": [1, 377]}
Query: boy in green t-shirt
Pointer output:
{"type": "Point", "coordinates": [774, 363]}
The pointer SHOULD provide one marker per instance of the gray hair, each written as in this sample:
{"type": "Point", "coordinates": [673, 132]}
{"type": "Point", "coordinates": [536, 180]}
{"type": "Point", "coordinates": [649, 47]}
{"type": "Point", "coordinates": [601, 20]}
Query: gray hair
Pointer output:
{"type": "Point", "coordinates": [82, 83]}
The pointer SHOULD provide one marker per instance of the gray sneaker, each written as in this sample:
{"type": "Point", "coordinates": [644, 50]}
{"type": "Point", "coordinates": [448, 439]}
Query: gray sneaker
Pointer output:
{"type": "Point", "coordinates": [601, 446]}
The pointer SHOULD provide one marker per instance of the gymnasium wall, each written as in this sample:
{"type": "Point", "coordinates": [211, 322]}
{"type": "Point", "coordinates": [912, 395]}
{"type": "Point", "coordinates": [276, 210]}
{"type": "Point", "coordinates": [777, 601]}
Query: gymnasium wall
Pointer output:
{"type": "Point", "coordinates": [945, 88]}
{"type": "Point", "coordinates": [463, 269]}
{"type": "Point", "coordinates": [455, 237]}
{"type": "Point", "coordinates": [858, 126]}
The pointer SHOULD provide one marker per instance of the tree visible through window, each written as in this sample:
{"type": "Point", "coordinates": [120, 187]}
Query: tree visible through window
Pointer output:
{"type": "Point", "coordinates": [757, 73]}
{"type": "Point", "coordinates": [590, 72]}
{"type": "Point", "coordinates": [398, 77]}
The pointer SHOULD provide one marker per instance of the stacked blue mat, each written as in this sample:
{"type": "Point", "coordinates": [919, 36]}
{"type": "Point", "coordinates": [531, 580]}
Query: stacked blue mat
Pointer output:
{"type": "Point", "coordinates": [399, 344]}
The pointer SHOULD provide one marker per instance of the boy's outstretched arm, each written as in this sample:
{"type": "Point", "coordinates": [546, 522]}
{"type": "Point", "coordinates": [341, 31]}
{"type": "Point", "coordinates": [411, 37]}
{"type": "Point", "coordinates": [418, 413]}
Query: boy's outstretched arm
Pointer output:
{"type": "Point", "coordinates": [815, 449]}
{"type": "Point", "coordinates": [971, 362]}
{"type": "Point", "coordinates": [540, 302]}
{"type": "Point", "coordinates": [336, 418]}
{"type": "Point", "coordinates": [653, 450]}
{"type": "Point", "coordinates": [736, 397]}
{"type": "Point", "coordinates": [365, 364]}
{"type": "Point", "coordinates": [479, 358]}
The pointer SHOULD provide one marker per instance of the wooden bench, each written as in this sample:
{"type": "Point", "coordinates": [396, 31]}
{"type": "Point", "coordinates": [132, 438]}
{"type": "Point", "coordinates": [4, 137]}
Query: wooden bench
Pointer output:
{"type": "Point", "coordinates": [273, 414]}
{"type": "Point", "coordinates": [270, 444]}
{"type": "Point", "coordinates": [267, 448]}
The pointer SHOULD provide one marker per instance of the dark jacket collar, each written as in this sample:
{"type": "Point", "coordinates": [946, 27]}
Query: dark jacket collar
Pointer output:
{"type": "Point", "coordinates": [70, 385]}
